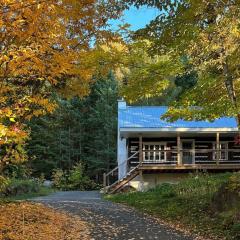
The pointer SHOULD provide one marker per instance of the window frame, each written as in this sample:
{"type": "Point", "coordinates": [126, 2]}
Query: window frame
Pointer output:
{"type": "Point", "coordinates": [225, 150]}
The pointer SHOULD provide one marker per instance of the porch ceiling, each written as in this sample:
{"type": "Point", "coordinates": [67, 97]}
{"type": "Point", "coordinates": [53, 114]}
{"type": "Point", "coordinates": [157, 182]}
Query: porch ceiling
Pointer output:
{"type": "Point", "coordinates": [183, 132]}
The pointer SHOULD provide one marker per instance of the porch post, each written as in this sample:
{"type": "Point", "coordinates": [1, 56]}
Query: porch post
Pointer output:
{"type": "Point", "coordinates": [217, 147]}
{"type": "Point", "coordinates": [179, 155]}
{"type": "Point", "coordinates": [140, 150]}
{"type": "Point", "coordinates": [104, 180]}
{"type": "Point", "coordinates": [140, 187]}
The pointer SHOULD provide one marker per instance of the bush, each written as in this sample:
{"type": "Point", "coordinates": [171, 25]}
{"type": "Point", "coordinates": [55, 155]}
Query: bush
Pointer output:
{"type": "Point", "coordinates": [234, 183]}
{"type": "Point", "coordinates": [78, 181]}
{"type": "Point", "coordinates": [228, 194]}
{"type": "Point", "coordinates": [59, 178]}
{"type": "Point", "coordinates": [4, 182]}
{"type": "Point", "coordinates": [19, 171]}
{"type": "Point", "coordinates": [16, 187]}
{"type": "Point", "coordinates": [236, 230]}
{"type": "Point", "coordinates": [73, 180]}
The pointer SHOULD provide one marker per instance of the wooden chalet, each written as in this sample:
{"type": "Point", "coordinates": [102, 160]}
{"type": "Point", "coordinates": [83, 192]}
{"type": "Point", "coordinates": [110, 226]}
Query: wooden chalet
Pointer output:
{"type": "Point", "coordinates": [151, 150]}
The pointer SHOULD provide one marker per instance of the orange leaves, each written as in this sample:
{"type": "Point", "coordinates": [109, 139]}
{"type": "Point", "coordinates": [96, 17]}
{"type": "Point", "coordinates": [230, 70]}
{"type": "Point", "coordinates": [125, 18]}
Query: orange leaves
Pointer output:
{"type": "Point", "coordinates": [45, 46]}
{"type": "Point", "coordinates": [34, 221]}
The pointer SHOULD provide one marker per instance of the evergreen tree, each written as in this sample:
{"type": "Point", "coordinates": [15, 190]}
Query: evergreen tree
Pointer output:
{"type": "Point", "coordinates": [102, 118]}
{"type": "Point", "coordinates": [80, 130]}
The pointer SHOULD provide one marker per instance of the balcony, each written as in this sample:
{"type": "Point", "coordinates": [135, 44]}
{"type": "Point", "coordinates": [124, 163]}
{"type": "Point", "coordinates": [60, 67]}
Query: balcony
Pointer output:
{"type": "Point", "coordinates": [187, 159]}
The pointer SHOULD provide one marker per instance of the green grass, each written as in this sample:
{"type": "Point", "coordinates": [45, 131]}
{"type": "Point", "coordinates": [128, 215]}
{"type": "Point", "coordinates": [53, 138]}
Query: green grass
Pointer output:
{"type": "Point", "coordinates": [43, 191]}
{"type": "Point", "coordinates": [189, 203]}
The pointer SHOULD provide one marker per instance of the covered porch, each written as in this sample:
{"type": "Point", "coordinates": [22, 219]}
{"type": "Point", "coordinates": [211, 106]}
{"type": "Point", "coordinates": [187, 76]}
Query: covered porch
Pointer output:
{"type": "Point", "coordinates": [182, 149]}
{"type": "Point", "coordinates": [144, 153]}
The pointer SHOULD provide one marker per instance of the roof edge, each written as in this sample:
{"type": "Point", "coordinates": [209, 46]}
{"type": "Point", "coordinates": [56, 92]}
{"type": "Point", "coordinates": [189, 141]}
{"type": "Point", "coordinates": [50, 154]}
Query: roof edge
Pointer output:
{"type": "Point", "coordinates": [171, 129]}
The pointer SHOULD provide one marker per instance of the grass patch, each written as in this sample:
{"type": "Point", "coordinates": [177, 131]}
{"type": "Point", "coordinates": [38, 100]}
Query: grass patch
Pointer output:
{"type": "Point", "coordinates": [43, 191]}
{"type": "Point", "coordinates": [26, 196]}
{"type": "Point", "coordinates": [21, 189]}
{"type": "Point", "coordinates": [193, 203]}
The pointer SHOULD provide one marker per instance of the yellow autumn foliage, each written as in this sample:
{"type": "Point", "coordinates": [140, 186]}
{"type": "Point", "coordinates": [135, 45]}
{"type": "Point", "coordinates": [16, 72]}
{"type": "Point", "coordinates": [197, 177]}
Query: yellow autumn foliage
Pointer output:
{"type": "Point", "coordinates": [45, 46]}
{"type": "Point", "coordinates": [204, 35]}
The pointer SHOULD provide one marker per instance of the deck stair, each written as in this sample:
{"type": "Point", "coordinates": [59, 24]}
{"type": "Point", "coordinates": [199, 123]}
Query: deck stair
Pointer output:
{"type": "Point", "coordinates": [118, 185]}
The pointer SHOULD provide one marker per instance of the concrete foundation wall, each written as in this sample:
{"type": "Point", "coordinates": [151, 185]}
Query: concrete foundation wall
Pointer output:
{"type": "Point", "coordinates": [148, 181]}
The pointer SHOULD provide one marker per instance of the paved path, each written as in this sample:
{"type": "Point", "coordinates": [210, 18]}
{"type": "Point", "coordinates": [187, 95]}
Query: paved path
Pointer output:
{"type": "Point", "coordinates": [109, 220]}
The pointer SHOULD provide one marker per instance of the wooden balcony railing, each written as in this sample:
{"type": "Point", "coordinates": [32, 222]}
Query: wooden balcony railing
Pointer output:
{"type": "Point", "coordinates": [189, 156]}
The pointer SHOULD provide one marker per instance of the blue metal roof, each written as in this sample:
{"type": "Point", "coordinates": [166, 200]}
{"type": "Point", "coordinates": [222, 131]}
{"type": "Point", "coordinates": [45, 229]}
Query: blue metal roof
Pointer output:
{"type": "Point", "coordinates": [149, 117]}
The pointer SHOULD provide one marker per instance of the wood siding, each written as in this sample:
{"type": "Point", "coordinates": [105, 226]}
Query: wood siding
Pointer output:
{"type": "Point", "coordinates": [202, 145]}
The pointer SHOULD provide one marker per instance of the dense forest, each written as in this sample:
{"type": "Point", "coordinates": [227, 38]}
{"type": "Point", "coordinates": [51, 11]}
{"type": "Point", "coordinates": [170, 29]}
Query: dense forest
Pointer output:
{"type": "Point", "coordinates": [60, 85]}
{"type": "Point", "coordinates": [80, 130]}
{"type": "Point", "coordinates": [63, 66]}
{"type": "Point", "coordinates": [85, 129]}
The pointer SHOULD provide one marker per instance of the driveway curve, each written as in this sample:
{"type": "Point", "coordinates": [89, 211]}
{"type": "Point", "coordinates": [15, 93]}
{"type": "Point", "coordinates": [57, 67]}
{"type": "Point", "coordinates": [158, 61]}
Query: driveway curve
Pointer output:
{"type": "Point", "coordinates": [110, 221]}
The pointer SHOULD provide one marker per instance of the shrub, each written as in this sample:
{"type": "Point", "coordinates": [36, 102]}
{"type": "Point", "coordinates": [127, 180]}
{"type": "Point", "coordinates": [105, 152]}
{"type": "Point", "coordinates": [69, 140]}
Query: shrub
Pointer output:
{"type": "Point", "coordinates": [234, 182]}
{"type": "Point", "coordinates": [73, 180]}
{"type": "Point", "coordinates": [78, 181]}
{"type": "Point", "coordinates": [228, 194]}
{"type": "Point", "coordinates": [4, 182]}
{"type": "Point", "coordinates": [18, 187]}
{"type": "Point", "coordinates": [59, 178]}
{"type": "Point", "coordinates": [42, 178]}
{"type": "Point", "coordinates": [235, 229]}
{"type": "Point", "coordinates": [19, 171]}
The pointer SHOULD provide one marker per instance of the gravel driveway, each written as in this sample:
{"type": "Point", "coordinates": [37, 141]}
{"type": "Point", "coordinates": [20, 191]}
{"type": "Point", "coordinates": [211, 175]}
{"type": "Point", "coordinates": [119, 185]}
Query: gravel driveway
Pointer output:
{"type": "Point", "coordinates": [110, 220]}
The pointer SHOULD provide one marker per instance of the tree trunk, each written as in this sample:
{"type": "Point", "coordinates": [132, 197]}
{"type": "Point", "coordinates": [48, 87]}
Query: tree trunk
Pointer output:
{"type": "Point", "coordinates": [231, 92]}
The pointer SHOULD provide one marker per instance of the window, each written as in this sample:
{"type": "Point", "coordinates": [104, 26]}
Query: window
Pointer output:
{"type": "Point", "coordinates": [223, 151]}
{"type": "Point", "coordinates": [154, 152]}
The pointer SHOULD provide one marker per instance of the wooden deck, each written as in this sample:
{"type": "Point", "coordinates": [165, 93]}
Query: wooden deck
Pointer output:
{"type": "Point", "coordinates": [166, 167]}
{"type": "Point", "coordinates": [177, 160]}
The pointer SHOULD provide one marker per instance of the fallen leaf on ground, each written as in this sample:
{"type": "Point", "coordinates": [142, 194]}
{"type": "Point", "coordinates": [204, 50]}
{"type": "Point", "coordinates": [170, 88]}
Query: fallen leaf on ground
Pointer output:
{"type": "Point", "coordinates": [30, 221]}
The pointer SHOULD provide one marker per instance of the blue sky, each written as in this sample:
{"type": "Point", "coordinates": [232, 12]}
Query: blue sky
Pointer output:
{"type": "Point", "coordinates": [138, 18]}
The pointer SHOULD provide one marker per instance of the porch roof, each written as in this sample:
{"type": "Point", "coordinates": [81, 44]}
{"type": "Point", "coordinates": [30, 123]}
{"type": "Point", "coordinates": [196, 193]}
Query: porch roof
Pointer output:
{"type": "Point", "coordinates": [149, 117]}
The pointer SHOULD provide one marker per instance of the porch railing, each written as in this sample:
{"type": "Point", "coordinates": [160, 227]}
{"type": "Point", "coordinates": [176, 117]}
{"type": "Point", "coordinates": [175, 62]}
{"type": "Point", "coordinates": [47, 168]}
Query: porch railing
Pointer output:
{"type": "Point", "coordinates": [191, 156]}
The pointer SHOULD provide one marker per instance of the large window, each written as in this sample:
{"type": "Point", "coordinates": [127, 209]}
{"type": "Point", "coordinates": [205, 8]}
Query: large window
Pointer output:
{"type": "Point", "coordinates": [154, 152]}
{"type": "Point", "coordinates": [223, 151]}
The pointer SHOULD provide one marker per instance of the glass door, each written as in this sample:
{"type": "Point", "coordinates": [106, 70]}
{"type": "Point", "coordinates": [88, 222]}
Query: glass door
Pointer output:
{"type": "Point", "coordinates": [187, 151]}
{"type": "Point", "coordinates": [154, 152]}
